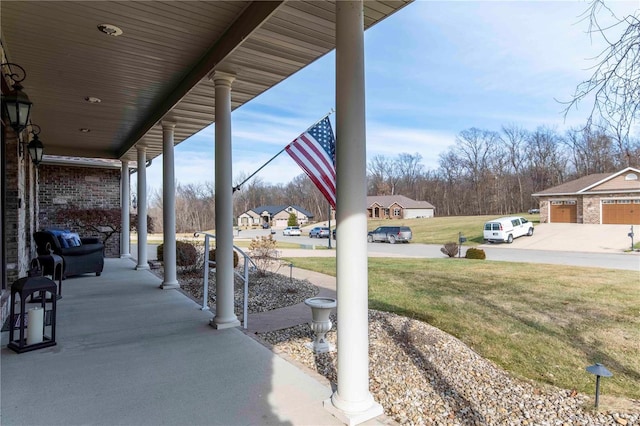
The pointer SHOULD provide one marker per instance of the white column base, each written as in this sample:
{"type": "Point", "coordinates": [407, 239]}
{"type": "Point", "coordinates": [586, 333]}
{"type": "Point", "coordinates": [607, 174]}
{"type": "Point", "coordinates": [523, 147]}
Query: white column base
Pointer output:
{"type": "Point", "coordinates": [168, 285]}
{"type": "Point", "coordinates": [371, 410]}
{"type": "Point", "coordinates": [222, 325]}
{"type": "Point", "coordinates": [142, 267]}
{"type": "Point", "coordinates": [125, 256]}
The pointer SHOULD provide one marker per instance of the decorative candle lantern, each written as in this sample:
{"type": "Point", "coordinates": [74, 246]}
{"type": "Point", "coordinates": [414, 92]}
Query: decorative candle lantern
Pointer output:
{"type": "Point", "coordinates": [36, 326]}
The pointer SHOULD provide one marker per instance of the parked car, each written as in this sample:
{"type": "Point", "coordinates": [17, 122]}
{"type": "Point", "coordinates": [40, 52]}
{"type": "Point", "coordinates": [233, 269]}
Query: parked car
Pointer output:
{"type": "Point", "coordinates": [292, 231]}
{"type": "Point", "coordinates": [265, 225]}
{"type": "Point", "coordinates": [390, 234]}
{"type": "Point", "coordinates": [319, 232]}
{"type": "Point", "coordinates": [534, 211]}
{"type": "Point", "coordinates": [506, 229]}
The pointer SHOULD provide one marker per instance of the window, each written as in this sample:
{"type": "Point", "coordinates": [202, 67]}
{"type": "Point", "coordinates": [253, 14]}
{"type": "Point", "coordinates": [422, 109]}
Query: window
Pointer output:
{"type": "Point", "coordinates": [396, 212]}
{"type": "Point", "coordinates": [631, 176]}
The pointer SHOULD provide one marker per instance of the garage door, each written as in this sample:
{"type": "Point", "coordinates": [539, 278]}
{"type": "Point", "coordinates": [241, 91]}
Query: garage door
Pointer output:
{"type": "Point", "coordinates": [622, 212]}
{"type": "Point", "coordinates": [564, 211]}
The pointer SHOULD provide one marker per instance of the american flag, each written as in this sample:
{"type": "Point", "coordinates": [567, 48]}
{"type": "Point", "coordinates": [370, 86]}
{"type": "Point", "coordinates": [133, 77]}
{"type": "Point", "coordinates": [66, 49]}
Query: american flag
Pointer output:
{"type": "Point", "coordinates": [315, 152]}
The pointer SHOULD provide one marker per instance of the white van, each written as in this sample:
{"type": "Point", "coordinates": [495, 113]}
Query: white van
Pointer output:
{"type": "Point", "coordinates": [505, 229]}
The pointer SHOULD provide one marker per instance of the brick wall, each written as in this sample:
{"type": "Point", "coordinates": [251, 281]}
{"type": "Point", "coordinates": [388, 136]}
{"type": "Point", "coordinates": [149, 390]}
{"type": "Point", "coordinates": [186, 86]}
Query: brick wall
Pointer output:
{"type": "Point", "coordinates": [11, 208]}
{"type": "Point", "coordinates": [65, 186]}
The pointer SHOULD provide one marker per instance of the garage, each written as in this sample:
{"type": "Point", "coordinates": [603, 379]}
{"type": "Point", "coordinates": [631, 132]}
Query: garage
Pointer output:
{"type": "Point", "coordinates": [564, 211]}
{"type": "Point", "coordinates": [621, 212]}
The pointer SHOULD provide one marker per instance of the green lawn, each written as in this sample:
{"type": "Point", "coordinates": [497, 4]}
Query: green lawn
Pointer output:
{"type": "Point", "coordinates": [542, 322]}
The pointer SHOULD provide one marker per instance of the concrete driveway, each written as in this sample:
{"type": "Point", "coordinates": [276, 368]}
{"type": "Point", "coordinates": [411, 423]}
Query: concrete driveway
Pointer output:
{"type": "Point", "coordinates": [574, 237]}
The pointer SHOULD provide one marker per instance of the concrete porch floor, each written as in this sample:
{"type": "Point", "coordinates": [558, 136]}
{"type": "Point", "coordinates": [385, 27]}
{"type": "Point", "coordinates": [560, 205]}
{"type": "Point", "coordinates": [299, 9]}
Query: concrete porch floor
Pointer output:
{"type": "Point", "coordinates": [129, 353]}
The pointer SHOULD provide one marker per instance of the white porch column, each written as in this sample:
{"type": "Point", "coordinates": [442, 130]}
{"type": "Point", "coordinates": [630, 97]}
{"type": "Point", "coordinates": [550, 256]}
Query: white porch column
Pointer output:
{"type": "Point", "coordinates": [124, 208]}
{"type": "Point", "coordinates": [351, 402]}
{"type": "Point", "coordinates": [142, 208]}
{"type": "Point", "coordinates": [225, 316]}
{"type": "Point", "coordinates": [168, 207]}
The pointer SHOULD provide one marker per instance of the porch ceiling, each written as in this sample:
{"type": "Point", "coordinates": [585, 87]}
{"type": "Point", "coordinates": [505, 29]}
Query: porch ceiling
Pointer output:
{"type": "Point", "coordinates": [157, 69]}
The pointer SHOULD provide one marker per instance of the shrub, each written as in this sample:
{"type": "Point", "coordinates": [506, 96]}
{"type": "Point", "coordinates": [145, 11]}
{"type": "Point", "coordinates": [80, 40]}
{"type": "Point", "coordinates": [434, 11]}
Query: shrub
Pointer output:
{"type": "Point", "coordinates": [475, 253]}
{"type": "Point", "coordinates": [264, 254]}
{"type": "Point", "coordinates": [450, 249]}
{"type": "Point", "coordinates": [186, 254]}
{"type": "Point", "coordinates": [293, 220]}
{"type": "Point", "coordinates": [212, 256]}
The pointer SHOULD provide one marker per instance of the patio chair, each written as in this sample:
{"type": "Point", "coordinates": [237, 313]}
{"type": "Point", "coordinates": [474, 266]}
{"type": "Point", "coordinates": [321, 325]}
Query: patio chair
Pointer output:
{"type": "Point", "coordinates": [86, 257]}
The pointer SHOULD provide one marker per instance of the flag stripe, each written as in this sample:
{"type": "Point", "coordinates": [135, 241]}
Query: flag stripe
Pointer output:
{"type": "Point", "coordinates": [325, 172]}
{"type": "Point", "coordinates": [321, 154]}
{"type": "Point", "coordinates": [314, 152]}
{"type": "Point", "coordinates": [320, 179]}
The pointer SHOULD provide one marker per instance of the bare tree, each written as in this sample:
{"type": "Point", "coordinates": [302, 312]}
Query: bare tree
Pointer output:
{"type": "Point", "coordinates": [546, 162]}
{"type": "Point", "coordinates": [409, 169]}
{"type": "Point", "coordinates": [383, 174]}
{"type": "Point", "coordinates": [591, 151]}
{"type": "Point", "coordinates": [514, 139]}
{"type": "Point", "coordinates": [615, 82]}
{"type": "Point", "coordinates": [474, 148]}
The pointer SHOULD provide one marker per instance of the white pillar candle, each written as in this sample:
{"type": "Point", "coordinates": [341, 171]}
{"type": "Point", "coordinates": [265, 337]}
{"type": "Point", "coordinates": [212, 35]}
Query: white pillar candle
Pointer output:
{"type": "Point", "coordinates": [35, 325]}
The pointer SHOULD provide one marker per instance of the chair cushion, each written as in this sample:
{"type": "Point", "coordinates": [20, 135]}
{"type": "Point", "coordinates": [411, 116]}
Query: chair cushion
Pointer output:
{"type": "Point", "coordinates": [59, 234]}
{"type": "Point", "coordinates": [72, 239]}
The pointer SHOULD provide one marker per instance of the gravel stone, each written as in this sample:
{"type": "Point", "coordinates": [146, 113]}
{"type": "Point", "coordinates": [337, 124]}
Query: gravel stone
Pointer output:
{"type": "Point", "coordinates": [418, 373]}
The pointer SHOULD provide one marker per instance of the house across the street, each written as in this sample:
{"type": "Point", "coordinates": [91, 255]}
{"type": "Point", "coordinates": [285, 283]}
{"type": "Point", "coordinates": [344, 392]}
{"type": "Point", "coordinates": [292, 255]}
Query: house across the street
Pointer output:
{"type": "Point", "coordinates": [603, 198]}
{"type": "Point", "coordinates": [397, 207]}
{"type": "Point", "coordinates": [273, 216]}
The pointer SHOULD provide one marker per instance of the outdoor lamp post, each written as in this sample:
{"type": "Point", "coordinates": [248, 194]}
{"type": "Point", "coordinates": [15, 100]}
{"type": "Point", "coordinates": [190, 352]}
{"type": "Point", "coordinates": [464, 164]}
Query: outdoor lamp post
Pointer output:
{"type": "Point", "coordinates": [16, 105]}
{"type": "Point", "coordinates": [600, 371]}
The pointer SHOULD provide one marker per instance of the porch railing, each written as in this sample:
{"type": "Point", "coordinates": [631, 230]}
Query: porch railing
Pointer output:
{"type": "Point", "coordinates": [247, 262]}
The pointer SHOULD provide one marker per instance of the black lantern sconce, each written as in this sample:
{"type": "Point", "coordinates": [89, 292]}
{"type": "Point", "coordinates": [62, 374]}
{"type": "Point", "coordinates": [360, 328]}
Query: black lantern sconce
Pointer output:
{"type": "Point", "coordinates": [35, 147]}
{"type": "Point", "coordinates": [16, 105]}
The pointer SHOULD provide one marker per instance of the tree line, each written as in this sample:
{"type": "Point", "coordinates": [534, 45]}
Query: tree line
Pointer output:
{"type": "Point", "coordinates": [484, 172]}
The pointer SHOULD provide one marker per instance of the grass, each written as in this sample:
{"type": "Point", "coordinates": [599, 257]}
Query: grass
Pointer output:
{"type": "Point", "coordinates": [441, 230]}
{"type": "Point", "coordinates": [540, 322]}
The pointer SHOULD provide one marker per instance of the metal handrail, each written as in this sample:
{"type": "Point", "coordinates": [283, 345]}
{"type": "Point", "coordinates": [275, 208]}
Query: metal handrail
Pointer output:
{"type": "Point", "coordinates": [244, 277]}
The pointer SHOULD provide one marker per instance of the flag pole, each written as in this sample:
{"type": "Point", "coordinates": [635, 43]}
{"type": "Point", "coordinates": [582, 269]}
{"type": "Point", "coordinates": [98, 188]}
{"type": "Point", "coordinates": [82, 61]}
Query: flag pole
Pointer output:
{"type": "Point", "coordinates": [237, 187]}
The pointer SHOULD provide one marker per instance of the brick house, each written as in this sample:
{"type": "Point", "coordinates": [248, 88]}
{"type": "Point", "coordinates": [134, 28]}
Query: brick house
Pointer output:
{"type": "Point", "coordinates": [602, 198]}
{"type": "Point", "coordinates": [397, 207]}
{"type": "Point", "coordinates": [275, 216]}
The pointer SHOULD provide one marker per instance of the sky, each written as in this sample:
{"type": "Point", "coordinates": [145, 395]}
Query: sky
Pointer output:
{"type": "Point", "coordinates": [432, 70]}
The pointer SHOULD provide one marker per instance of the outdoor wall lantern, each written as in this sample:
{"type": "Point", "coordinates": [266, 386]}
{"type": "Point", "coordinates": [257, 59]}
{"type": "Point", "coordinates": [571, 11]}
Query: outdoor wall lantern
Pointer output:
{"type": "Point", "coordinates": [600, 371]}
{"type": "Point", "coordinates": [16, 104]}
{"type": "Point", "coordinates": [35, 147]}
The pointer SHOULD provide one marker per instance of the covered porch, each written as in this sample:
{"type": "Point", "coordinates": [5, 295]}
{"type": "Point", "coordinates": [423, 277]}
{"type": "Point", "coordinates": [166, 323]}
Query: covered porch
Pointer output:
{"type": "Point", "coordinates": [128, 353]}
{"type": "Point", "coordinates": [128, 81]}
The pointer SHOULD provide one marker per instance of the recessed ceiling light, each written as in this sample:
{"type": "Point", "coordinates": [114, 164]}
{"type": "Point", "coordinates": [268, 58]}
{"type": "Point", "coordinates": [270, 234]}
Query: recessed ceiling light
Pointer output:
{"type": "Point", "coordinates": [85, 130]}
{"type": "Point", "coordinates": [92, 99]}
{"type": "Point", "coordinates": [109, 29]}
